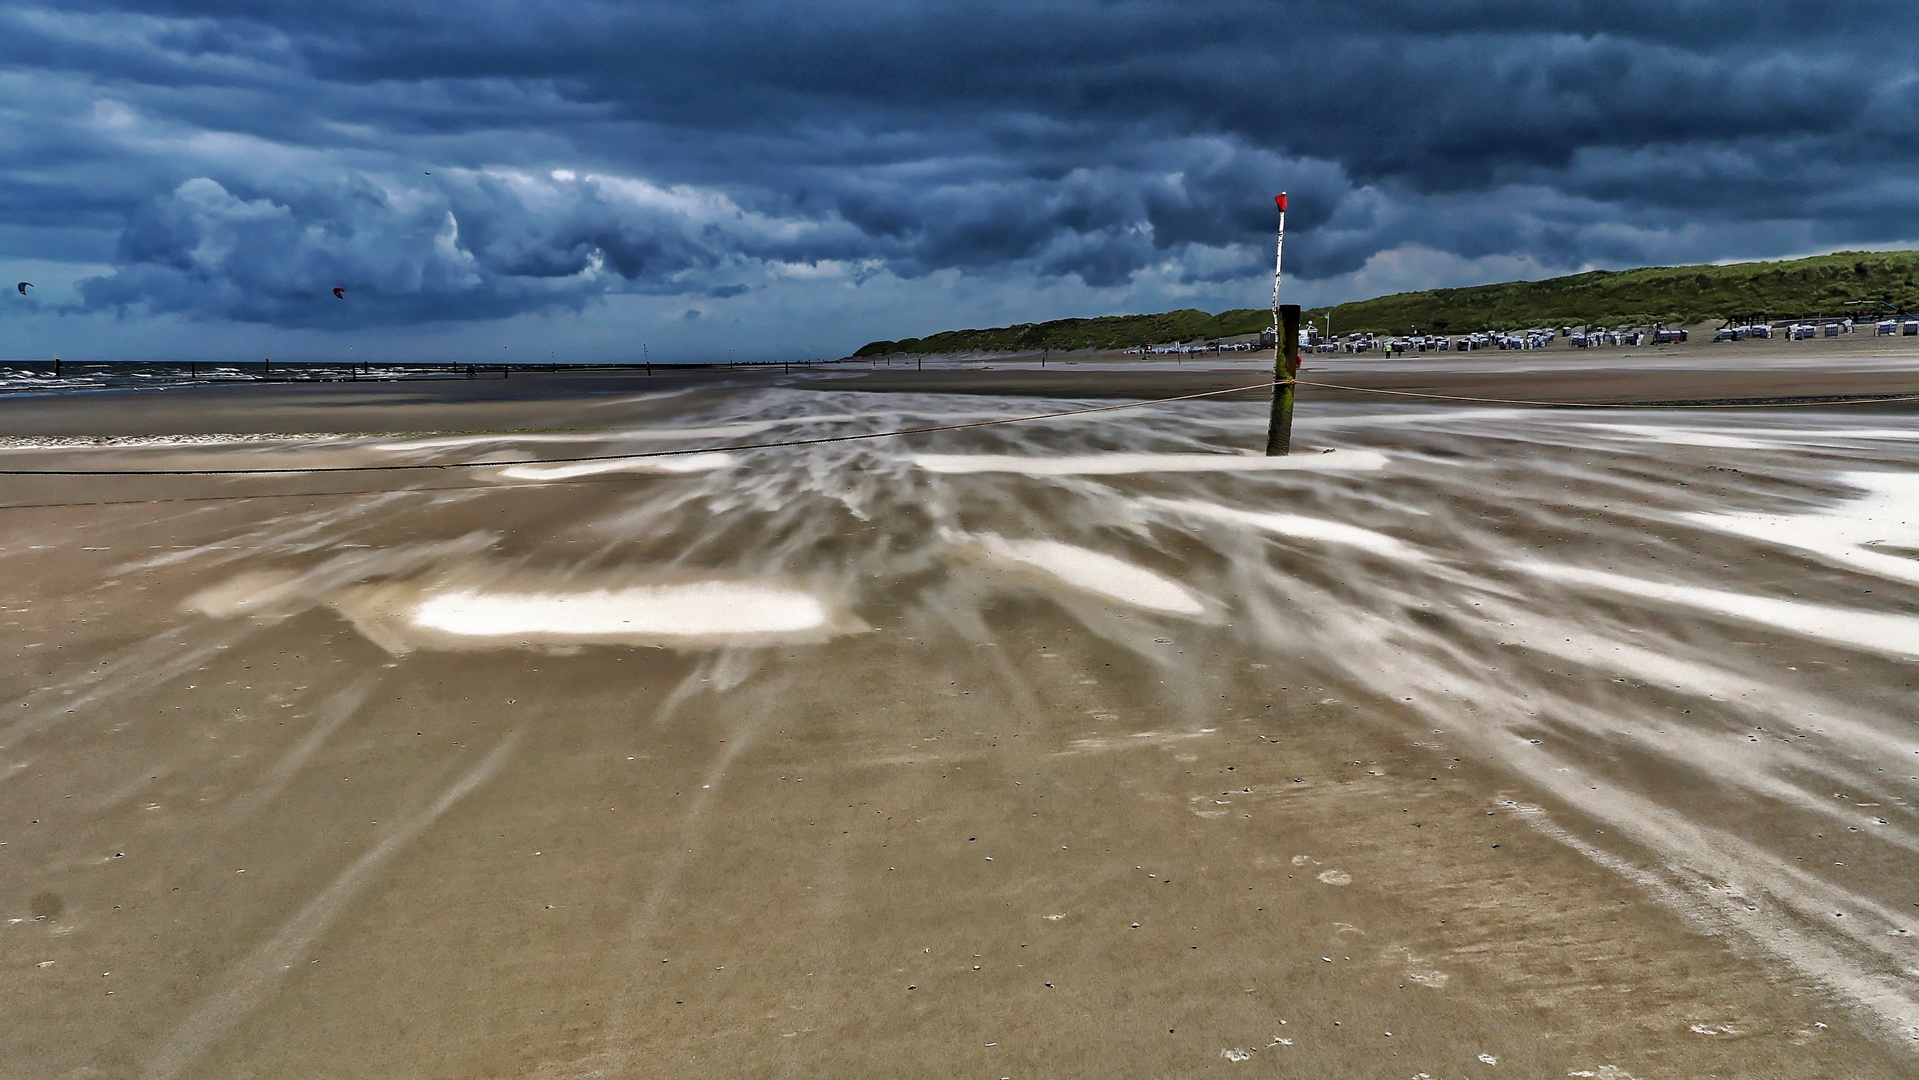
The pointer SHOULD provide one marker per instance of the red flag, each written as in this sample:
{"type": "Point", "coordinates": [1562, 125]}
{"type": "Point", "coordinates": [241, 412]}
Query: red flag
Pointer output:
{"type": "Point", "coordinates": [1281, 200]}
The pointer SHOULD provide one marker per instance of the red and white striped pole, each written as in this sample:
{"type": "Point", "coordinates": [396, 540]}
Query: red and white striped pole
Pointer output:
{"type": "Point", "coordinates": [1279, 255]}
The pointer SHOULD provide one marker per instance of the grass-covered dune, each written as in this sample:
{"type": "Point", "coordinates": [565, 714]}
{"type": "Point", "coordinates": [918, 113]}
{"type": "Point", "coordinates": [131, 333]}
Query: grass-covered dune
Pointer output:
{"type": "Point", "coordinates": [1821, 285]}
{"type": "Point", "coordinates": [1105, 332]}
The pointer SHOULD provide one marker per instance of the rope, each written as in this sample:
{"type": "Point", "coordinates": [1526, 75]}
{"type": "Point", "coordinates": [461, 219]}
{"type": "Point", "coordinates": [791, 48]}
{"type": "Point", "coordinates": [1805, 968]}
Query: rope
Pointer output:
{"type": "Point", "coordinates": [543, 485]}
{"type": "Point", "coordinates": [636, 456]}
{"type": "Point", "coordinates": [1617, 404]}
{"type": "Point", "coordinates": [823, 439]}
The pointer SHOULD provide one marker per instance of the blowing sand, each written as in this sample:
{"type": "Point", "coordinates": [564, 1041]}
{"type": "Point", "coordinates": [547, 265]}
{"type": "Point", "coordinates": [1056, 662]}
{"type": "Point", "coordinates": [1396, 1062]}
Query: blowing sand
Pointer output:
{"type": "Point", "coordinates": [1541, 744]}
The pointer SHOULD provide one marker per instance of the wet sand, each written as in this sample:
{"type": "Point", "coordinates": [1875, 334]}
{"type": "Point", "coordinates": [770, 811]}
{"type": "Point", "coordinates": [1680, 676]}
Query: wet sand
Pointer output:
{"type": "Point", "coordinates": [1719, 374]}
{"type": "Point", "coordinates": [1493, 742]}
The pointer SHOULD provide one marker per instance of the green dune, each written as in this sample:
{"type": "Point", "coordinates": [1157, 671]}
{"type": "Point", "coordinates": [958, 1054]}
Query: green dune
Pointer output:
{"type": "Point", "coordinates": [1675, 295]}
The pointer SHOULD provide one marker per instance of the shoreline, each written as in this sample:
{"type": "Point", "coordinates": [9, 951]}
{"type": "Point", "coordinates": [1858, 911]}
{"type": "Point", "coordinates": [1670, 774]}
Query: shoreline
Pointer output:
{"type": "Point", "coordinates": [547, 400]}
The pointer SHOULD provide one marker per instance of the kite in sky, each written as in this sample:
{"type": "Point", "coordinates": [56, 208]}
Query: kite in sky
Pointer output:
{"type": "Point", "coordinates": [23, 287]}
{"type": "Point", "coordinates": [339, 293]}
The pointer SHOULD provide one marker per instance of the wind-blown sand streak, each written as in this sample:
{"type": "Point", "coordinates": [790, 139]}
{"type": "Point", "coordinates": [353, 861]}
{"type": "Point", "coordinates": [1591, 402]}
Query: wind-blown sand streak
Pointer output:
{"type": "Point", "coordinates": [1297, 526]}
{"type": "Point", "coordinates": [1122, 464]}
{"type": "Point", "coordinates": [1895, 635]}
{"type": "Point", "coordinates": [250, 982]}
{"type": "Point", "coordinates": [1095, 573]}
{"type": "Point", "coordinates": [334, 712]}
{"type": "Point", "coordinates": [689, 463]}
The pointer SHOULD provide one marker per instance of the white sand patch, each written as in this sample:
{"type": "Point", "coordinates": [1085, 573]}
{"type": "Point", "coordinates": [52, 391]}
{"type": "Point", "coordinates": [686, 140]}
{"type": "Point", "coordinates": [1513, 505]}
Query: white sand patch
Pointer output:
{"type": "Point", "coordinates": [449, 596]}
{"type": "Point", "coordinates": [1760, 438]}
{"type": "Point", "coordinates": [455, 442]}
{"type": "Point", "coordinates": [1897, 635]}
{"type": "Point", "coordinates": [257, 592]}
{"type": "Point", "coordinates": [1679, 436]}
{"type": "Point", "coordinates": [695, 610]}
{"type": "Point", "coordinates": [1295, 525]}
{"type": "Point", "coordinates": [1680, 433]}
{"type": "Point", "coordinates": [1335, 877]}
{"type": "Point", "coordinates": [1844, 433]}
{"type": "Point", "coordinates": [1137, 740]}
{"type": "Point", "coordinates": [1096, 573]}
{"type": "Point", "coordinates": [1118, 464]}
{"type": "Point", "coordinates": [679, 463]}
{"type": "Point", "coordinates": [461, 602]}
{"type": "Point", "coordinates": [1887, 516]}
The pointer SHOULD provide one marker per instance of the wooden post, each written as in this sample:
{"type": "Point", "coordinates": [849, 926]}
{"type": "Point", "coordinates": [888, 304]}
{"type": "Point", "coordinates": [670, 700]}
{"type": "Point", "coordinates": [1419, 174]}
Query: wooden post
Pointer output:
{"type": "Point", "coordinates": [1279, 429]}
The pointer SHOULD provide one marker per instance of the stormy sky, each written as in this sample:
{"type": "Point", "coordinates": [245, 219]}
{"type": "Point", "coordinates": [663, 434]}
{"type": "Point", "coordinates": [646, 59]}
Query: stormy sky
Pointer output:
{"type": "Point", "coordinates": [504, 178]}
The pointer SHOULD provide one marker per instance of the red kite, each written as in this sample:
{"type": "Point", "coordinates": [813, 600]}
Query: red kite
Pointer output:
{"type": "Point", "coordinates": [339, 293]}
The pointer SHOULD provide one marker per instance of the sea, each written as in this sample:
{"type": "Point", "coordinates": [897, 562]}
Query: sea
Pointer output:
{"type": "Point", "coordinates": [75, 376]}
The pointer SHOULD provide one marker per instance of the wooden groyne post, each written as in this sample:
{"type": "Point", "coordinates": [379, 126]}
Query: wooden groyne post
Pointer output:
{"type": "Point", "coordinates": [1279, 429]}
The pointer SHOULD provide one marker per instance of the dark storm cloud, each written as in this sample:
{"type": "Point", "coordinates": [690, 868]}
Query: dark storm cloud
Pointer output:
{"type": "Point", "coordinates": [462, 245]}
{"type": "Point", "coordinates": [246, 157]}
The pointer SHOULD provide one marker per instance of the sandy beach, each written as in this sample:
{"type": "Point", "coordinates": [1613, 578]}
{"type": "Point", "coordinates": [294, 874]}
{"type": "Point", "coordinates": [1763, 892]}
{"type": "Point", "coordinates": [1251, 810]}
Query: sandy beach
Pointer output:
{"type": "Point", "coordinates": [1469, 741]}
